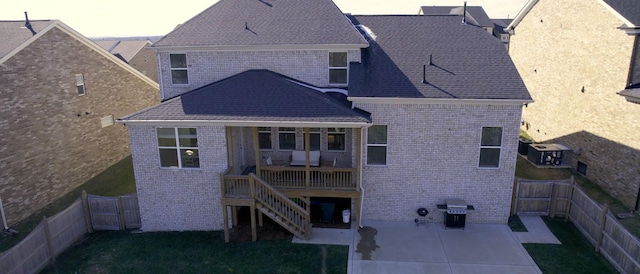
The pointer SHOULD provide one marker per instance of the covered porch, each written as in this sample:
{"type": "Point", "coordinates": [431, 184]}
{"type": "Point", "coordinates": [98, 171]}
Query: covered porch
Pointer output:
{"type": "Point", "coordinates": [336, 174]}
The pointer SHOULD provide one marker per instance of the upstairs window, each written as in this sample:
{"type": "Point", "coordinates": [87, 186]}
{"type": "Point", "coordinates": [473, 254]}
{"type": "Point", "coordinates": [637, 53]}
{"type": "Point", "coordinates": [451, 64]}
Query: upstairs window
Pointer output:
{"type": "Point", "coordinates": [338, 70]}
{"type": "Point", "coordinates": [490, 146]}
{"type": "Point", "coordinates": [377, 145]}
{"type": "Point", "coordinates": [179, 75]}
{"type": "Point", "coordinates": [287, 138]}
{"type": "Point", "coordinates": [80, 84]}
{"type": "Point", "coordinates": [178, 147]}
{"type": "Point", "coordinates": [336, 139]}
{"type": "Point", "coordinates": [264, 138]}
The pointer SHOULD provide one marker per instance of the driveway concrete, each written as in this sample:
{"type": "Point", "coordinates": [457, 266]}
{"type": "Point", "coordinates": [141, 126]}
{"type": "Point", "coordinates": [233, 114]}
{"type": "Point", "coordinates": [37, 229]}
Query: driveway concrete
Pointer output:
{"type": "Point", "coordinates": [403, 247]}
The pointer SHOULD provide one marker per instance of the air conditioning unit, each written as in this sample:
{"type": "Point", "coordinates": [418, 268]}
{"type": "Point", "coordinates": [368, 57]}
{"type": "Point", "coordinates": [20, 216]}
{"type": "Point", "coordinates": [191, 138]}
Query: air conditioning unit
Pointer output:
{"type": "Point", "coordinates": [549, 155]}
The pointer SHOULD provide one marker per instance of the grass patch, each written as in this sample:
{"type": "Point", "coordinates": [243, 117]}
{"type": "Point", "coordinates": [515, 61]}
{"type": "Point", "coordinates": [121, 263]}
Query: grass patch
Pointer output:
{"type": "Point", "coordinates": [116, 180]}
{"type": "Point", "coordinates": [574, 255]}
{"type": "Point", "coordinates": [195, 252]}
{"type": "Point", "coordinates": [516, 224]}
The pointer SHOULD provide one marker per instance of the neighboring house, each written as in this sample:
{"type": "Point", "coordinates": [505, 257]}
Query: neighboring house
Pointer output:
{"type": "Point", "coordinates": [59, 94]}
{"type": "Point", "coordinates": [135, 51]}
{"type": "Point", "coordinates": [387, 113]}
{"type": "Point", "coordinates": [499, 26]}
{"type": "Point", "coordinates": [575, 58]}
{"type": "Point", "coordinates": [473, 15]}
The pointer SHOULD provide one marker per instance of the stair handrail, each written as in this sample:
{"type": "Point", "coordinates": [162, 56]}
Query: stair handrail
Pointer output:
{"type": "Point", "coordinates": [303, 220]}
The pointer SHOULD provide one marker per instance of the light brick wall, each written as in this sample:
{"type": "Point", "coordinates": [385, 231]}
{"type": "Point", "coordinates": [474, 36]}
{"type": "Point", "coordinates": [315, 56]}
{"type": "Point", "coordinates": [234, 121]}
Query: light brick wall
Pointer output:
{"type": "Point", "coordinates": [179, 199]}
{"type": "Point", "coordinates": [51, 139]}
{"type": "Point", "coordinates": [145, 62]}
{"type": "Point", "coordinates": [558, 48]}
{"type": "Point", "coordinates": [206, 67]}
{"type": "Point", "coordinates": [433, 153]}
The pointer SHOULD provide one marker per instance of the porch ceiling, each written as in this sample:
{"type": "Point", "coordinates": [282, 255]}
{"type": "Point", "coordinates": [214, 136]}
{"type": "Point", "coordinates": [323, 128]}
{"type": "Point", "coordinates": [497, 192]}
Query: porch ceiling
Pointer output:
{"type": "Point", "coordinates": [255, 97]}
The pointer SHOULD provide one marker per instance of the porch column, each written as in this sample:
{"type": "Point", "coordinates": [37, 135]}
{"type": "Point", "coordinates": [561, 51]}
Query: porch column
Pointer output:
{"type": "Point", "coordinates": [256, 148]}
{"type": "Point", "coordinates": [230, 148]}
{"type": "Point", "coordinates": [307, 145]}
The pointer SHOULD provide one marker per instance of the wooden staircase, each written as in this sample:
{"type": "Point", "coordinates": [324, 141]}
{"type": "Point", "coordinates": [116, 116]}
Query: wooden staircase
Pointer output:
{"type": "Point", "coordinates": [279, 208]}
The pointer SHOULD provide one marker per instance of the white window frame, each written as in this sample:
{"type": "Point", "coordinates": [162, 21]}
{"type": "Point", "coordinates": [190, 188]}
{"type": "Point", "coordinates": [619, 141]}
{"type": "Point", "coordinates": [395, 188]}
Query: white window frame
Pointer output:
{"type": "Point", "coordinates": [346, 67]}
{"type": "Point", "coordinates": [293, 131]}
{"type": "Point", "coordinates": [499, 147]}
{"type": "Point", "coordinates": [178, 149]}
{"type": "Point", "coordinates": [343, 133]}
{"type": "Point", "coordinates": [80, 85]}
{"type": "Point", "coordinates": [185, 68]}
{"type": "Point", "coordinates": [263, 130]}
{"type": "Point", "coordinates": [385, 145]}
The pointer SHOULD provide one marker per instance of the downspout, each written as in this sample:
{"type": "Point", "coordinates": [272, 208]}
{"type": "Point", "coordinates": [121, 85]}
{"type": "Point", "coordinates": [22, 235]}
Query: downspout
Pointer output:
{"type": "Point", "coordinates": [361, 168]}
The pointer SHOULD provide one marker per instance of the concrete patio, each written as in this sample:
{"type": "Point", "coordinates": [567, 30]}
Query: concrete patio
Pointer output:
{"type": "Point", "coordinates": [403, 247]}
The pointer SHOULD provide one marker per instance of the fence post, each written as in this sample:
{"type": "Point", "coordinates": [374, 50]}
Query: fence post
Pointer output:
{"type": "Point", "coordinates": [87, 211]}
{"type": "Point", "coordinates": [603, 221]}
{"type": "Point", "coordinates": [121, 213]}
{"type": "Point", "coordinates": [47, 234]}
{"type": "Point", "coordinates": [554, 200]}
{"type": "Point", "coordinates": [573, 187]}
{"type": "Point", "coordinates": [517, 196]}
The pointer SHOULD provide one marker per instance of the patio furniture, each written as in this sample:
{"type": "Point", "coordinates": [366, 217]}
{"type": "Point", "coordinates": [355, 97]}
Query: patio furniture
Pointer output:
{"type": "Point", "coordinates": [298, 158]}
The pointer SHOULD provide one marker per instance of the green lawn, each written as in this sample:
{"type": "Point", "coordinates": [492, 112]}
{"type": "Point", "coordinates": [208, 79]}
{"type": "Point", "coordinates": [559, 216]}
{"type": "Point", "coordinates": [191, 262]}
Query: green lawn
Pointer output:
{"type": "Point", "coordinates": [195, 252]}
{"type": "Point", "coordinates": [114, 181]}
{"type": "Point", "coordinates": [574, 255]}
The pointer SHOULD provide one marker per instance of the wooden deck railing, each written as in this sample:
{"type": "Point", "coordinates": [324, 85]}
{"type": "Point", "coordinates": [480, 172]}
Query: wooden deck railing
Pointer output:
{"type": "Point", "coordinates": [321, 178]}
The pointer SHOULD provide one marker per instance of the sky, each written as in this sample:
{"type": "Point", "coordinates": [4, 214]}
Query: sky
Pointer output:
{"type": "Point", "coordinates": [122, 18]}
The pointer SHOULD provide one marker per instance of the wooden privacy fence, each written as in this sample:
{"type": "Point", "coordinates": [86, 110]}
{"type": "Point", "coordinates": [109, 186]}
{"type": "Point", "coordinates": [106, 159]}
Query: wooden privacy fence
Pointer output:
{"type": "Point", "coordinates": [595, 221]}
{"type": "Point", "coordinates": [57, 233]}
{"type": "Point", "coordinates": [548, 198]}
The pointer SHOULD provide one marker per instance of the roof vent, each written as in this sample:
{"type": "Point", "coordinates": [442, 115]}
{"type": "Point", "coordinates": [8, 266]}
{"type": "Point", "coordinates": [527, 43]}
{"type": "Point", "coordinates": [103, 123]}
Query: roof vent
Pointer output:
{"type": "Point", "coordinates": [464, 13]}
{"type": "Point", "coordinates": [27, 24]}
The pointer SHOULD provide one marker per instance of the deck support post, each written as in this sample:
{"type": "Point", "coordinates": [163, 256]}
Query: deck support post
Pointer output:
{"type": "Point", "coordinates": [234, 215]}
{"type": "Point", "coordinates": [225, 217]}
{"type": "Point", "coordinates": [254, 231]}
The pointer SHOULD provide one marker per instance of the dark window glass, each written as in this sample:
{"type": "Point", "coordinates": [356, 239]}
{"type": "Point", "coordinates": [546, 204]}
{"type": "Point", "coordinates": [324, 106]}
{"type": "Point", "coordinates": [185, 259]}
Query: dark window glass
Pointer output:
{"type": "Point", "coordinates": [264, 137]}
{"type": "Point", "coordinates": [287, 138]}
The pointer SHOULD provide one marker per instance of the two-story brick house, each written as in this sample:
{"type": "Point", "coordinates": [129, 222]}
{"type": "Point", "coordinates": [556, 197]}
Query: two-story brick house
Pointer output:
{"type": "Point", "coordinates": [392, 113]}
{"type": "Point", "coordinates": [577, 58]}
{"type": "Point", "coordinates": [59, 95]}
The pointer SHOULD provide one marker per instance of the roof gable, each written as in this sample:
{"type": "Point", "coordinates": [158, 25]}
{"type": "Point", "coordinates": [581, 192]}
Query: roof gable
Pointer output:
{"type": "Point", "coordinates": [265, 22]}
{"type": "Point", "coordinates": [475, 14]}
{"type": "Point", "coordinates": [627, 10]}
{"type": "Point", "coordinates": [455, 61]}
{"type": "Point", "coordinates": [254, 95]}
{"type": "Point", "coordinates": [125, 48]}
{"type": "Point", "coordinates": [75, 35]}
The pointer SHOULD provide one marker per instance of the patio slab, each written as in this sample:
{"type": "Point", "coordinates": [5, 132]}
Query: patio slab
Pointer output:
{"type": "Point", "coordinates": [403, 247]}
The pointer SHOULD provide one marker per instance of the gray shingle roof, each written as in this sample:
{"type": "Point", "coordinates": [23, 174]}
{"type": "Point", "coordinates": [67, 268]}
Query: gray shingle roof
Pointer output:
{"type": "Point", "coordinates": [467, 62]}
{"type": "Point", "coordinates": [127, 49]}
{"type": "Point", "coordinates": [500, 24]}
{"type": "Point", "coordinates": [14, 33]}
{"type": "Point", "coordinates": [254, 95]}
{"type": "Point", "coordinates": [265, 22]}
{"type": "Point", "coordinates": [629, 9]}
{"type": "Point", "coordinates": [477, 14]}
